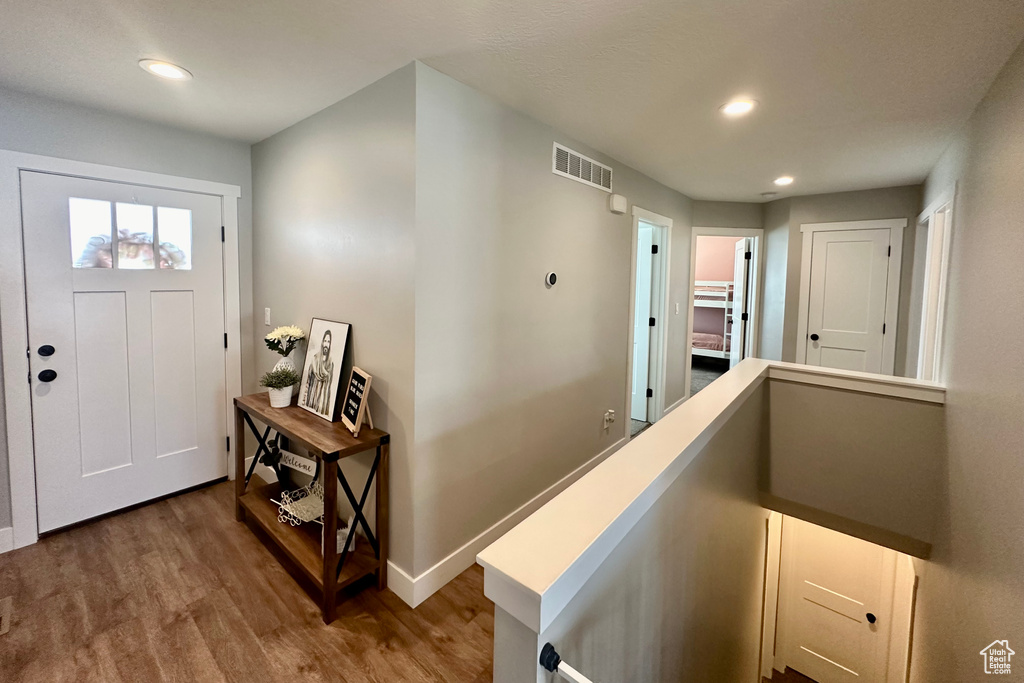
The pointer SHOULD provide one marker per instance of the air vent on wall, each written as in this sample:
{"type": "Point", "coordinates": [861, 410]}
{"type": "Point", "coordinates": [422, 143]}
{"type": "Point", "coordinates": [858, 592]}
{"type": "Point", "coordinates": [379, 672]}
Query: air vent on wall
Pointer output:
{"type": "Point", "coordinates": [565, 162]}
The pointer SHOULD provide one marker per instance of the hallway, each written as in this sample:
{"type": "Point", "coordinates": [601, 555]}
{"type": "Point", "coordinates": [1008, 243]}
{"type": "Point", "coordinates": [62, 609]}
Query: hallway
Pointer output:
{"type": "Point", "coordinates": [179, 591]}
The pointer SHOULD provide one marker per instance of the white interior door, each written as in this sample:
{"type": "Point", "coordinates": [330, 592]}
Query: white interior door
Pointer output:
{"type": "Point", "coordinates": [126, 343]}
{"type": "Point", "coordinates": [835, 604]}
{"type": "Point", "coordinates": [847, 299]}
{"type": "Point", "coordinates": [641, 322]}
{"type": "Point", "coordinates": [738, 331]}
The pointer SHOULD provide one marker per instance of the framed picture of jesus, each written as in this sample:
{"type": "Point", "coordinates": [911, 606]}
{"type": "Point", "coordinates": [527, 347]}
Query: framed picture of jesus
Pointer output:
{"type": "Point", "coordinates": [321, 371]}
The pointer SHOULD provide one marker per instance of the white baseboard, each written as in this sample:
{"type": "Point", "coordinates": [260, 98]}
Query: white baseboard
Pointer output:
{"type": "Point", "coordinates": [413, 591]}
{"type": "Point", "coordinates": [6, 539]}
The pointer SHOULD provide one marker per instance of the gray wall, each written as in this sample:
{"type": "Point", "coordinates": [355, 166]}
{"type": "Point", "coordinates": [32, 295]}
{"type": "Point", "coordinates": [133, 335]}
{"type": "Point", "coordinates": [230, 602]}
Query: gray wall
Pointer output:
{"type": "Point", "coordinates": [333, 238]}
{"type": "Point", "coordinates": [726, 215]}
{"type": "Point", "coordinates": [512, 378]}
{"type": "Point", "coordinates": [893, 202]}
{"type": "Point", "coordinates": [37, 125]}
{"type": "Point", "coordinates": [973, 590]}
{"type": "Point", "coordinates": [872, 460]}
{"type": "Point", "coordinates": [775, 217]}
{"type": "Point", "coordinates": [680, 598]}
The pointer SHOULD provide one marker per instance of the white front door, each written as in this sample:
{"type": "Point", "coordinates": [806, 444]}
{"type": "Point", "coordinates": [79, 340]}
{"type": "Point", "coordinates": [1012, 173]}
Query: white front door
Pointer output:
{"type": "Point", "coordinates": [835, 604]}
{"type": "Point", "coordinates": [126, 343]}
{"type": "Point", "coordinates": [641, 322]}
{"type": "Point", "coordinates": [737, 332]}
{"type": "Point", "coordinates": [847, 299]}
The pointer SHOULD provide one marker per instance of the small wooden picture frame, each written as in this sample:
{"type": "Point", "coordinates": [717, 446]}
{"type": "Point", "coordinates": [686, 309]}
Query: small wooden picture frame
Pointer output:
{"type": "Point", "coordinates": [354, 409]}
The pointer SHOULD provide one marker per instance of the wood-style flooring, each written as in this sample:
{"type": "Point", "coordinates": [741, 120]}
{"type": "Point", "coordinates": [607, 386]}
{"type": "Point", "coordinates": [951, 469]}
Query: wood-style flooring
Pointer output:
{"type": "Point", "coordinates": [180, 591]}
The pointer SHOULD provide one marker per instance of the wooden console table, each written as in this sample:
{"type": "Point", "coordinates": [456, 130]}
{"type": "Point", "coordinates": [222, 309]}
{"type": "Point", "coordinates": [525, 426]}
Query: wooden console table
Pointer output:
{"type": "Point", "coordinates": [329, 442]}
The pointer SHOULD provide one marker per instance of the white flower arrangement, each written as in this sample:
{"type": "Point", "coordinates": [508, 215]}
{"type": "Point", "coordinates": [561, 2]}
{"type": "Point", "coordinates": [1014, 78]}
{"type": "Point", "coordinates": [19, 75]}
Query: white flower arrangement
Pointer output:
{"type": "Point", "coordinates": [283, 339]}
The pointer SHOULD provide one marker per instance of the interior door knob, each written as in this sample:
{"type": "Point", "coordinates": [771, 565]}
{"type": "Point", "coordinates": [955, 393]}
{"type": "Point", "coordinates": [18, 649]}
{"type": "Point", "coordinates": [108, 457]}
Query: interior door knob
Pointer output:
{"type": "Point", "coordinates": [47, 375]}
{"type": "Point", "coordinates": [814, 337]}
{"type": "Point", "coordinates": [871, 618]}
{"type": "Point", "coordinates": [46, 350]}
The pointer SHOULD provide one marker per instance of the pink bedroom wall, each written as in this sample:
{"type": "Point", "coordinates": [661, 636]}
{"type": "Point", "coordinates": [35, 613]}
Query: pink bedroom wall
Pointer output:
{"type": "Point", "coordinates": [715, 257]}
{"type": "Point", "coordinates": [708, 320]}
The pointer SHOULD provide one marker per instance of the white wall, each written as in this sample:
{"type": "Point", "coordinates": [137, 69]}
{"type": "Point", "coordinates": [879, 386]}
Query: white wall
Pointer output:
{"type": "Point", "coordinates": [972, 592]}
{"type": "Point", "coordinates": [333, 238]}
{"type": "Point", "coordinates": [512, 378]}
{"type": "Point", "coordinates": [38, 125]}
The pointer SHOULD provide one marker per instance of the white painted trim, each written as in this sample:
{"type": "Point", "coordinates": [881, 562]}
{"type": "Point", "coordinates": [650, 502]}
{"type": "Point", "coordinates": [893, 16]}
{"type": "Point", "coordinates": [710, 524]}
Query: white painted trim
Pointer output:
{"type": "Point", "coordinates": [414, 590]}
{"type": "Point", "coordinates": [661, 276]}
{"type": "Point", "coordinates": [773, 566]}
{"type": "Point", "coordinates": [892, 289]}
{"type": "Point", "coordinates": [754, 325]}
{"type": "Point", "coordinates": [14, 322]}
{"type": "Point", "coordinates": [879, 224]}
{"type": "Point", "coordinates": [861, 382]}
{"type": "Point", "coordinates": [945, 197]}
{"type": "Point", "coordinates": [6, 539]}
{"type": "Point", "coordinates": [652, 218]}
{"type": "Point", "coordinates": [904, 599]}
{"type": "Point", "coordinates": [936, 279]}
{"type": "Point", "coordinates": [232, 322]}
{"type": "Point", "coordinates": [892, 299]}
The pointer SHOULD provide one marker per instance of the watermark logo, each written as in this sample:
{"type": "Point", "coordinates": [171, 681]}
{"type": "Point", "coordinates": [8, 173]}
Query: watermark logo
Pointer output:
{"type": "Point", "coordinates": [997, 657]}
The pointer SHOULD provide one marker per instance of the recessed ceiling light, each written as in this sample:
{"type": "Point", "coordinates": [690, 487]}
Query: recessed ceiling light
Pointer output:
{"type": "Point", "coordinates": [166, 70]}
{"type": "Point", "coordinates": [784, 180]}
{"type": "Point", "coordinates": [739, 107]}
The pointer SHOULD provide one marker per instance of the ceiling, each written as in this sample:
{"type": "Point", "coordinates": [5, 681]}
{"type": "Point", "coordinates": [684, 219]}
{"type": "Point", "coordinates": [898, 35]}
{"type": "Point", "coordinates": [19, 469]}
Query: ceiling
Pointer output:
{"type": "Point", "coordinates": [853, 95]}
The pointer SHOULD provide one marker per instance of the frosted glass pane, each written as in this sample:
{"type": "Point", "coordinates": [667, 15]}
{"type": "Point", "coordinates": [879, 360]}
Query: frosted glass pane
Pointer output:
{"type": "Point", "coordinates": [134, 236]}
{"type": "Point", "coordinates": [90, 233]}
{"type": "Point", "coordinates": [174, 226]}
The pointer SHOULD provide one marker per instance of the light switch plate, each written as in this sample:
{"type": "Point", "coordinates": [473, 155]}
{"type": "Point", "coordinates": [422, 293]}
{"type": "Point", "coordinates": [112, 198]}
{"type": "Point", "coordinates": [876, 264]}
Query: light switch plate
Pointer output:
{"type": "Point", "coordinates": [266, 317]}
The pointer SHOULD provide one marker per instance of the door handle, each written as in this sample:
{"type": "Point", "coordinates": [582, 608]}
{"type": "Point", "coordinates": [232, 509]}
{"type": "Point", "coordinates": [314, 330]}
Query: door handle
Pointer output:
{"type": "Point", "coordinates": [814, 337]}
{"type": "Point", "coordinates": [47, 375]}
{"type": "Point", "coordinates": [46, 350]}
{"type": "Point", "coordinates": [871, 618]}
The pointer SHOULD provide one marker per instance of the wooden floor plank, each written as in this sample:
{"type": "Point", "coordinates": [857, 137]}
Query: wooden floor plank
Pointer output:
{"type": "Point", "coordinates": [180, 591]}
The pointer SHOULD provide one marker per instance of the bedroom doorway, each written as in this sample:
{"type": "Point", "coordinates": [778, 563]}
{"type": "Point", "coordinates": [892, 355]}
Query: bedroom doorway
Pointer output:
{"type": "Point", "coordinates": [648, 301]}
{"type": "Point", "coordinates": [725, 267]}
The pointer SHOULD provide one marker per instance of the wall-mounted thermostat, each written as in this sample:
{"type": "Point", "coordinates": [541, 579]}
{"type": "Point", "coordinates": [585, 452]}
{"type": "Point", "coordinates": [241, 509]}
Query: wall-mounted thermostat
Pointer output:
{"type": "Point", "coordinates": [550, 279]}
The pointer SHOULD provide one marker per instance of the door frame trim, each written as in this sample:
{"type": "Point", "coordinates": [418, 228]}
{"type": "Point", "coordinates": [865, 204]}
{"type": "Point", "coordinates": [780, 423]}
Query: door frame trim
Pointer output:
{"type": "Point", "coordinates": [659, 306]}
{"type": "Point", "coordinates": [14, 321]}
{"type": "Point", "coordinates": [936, 285]}
{"type": "Point", "coordinates": [892, 293]}
{"type": "Point", "coordinates": [754, 324]}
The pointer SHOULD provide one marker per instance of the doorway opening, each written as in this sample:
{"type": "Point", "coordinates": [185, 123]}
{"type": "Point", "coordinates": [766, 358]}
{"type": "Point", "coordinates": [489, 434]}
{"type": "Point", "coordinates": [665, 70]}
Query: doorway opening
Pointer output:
{"type": "Point", "coordinates": [648, 319]}
{"type": "Point", "coordinates": [725, 272]}
{"type": "Point", "coordinates": [840, 608]}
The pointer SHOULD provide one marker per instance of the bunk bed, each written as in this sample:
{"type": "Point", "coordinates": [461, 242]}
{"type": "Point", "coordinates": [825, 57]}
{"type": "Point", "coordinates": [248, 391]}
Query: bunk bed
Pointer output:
{"type": "Point", "coordinates": [713, 343]}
